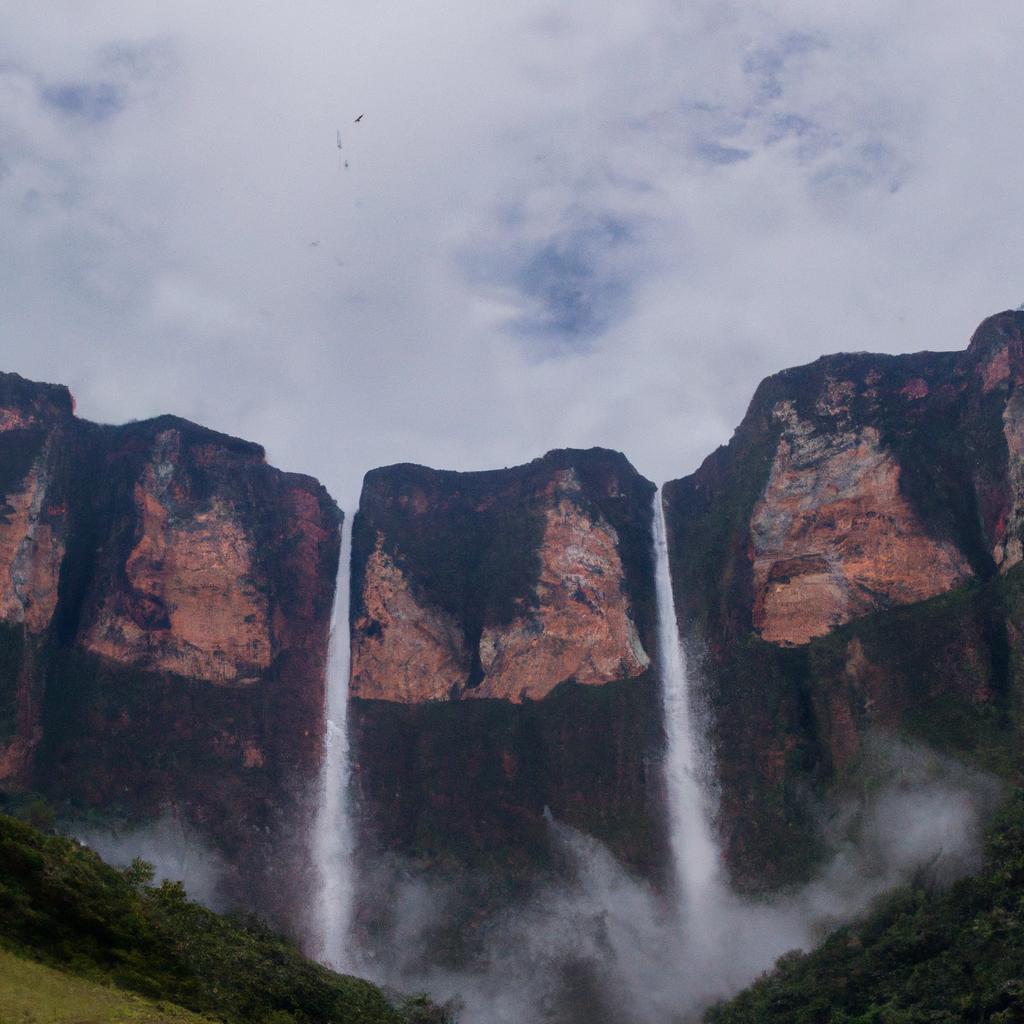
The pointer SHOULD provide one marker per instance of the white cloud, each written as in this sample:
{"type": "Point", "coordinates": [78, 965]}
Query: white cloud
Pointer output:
{"type": "Point", "coordinates": [560, 224]}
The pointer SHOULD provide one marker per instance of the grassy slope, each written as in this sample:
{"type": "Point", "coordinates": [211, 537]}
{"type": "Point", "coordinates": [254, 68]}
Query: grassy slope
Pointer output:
{"type": "Point", "coordinates": [921, 958]}
{"type": "Point", "coordinates": [60, 904]}
{"type": "Point", "coordinates": [33, 994]}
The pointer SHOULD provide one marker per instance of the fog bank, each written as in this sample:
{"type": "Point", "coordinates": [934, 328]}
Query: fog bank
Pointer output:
{"type": "Point", "coordinates": [600, 946]}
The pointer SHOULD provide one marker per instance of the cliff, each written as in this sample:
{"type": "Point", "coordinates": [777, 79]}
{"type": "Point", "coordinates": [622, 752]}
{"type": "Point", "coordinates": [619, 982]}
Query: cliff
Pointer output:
{"type": "Point", "coordinates": [165, 598]}
{"type": "Point", "coordinates": [850, 561]}
{"type": "Point", "coordinates": [503, 631]}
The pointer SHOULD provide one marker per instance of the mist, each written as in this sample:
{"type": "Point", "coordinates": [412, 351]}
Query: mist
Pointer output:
{"type": "Point", "coordinates": [175, 850]}
{"type": "Point", "coordinates": [598, 945]}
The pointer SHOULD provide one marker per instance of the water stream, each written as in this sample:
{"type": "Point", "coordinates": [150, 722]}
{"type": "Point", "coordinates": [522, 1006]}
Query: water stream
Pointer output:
{"type": "Point", "coordinates": [333, 835]}
{"type": "Point", "coordinates": [694, 851]}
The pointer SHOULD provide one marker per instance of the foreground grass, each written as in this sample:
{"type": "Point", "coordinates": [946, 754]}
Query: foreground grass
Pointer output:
{"type": "Point", "coordinates": [31, 993]}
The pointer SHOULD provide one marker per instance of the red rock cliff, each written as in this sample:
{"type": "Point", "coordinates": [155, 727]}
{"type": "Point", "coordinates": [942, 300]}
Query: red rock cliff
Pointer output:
{"type": "Point", "coordinates": [502, 638]}
{"type": "Point", "coordinates": [573, 622]}
{"type": "Point", "coordinates": [165, 599]}
{"type": "Point", "coordinates": [833, 537]}
{"type": "Point", "coordinates": [856, 487]}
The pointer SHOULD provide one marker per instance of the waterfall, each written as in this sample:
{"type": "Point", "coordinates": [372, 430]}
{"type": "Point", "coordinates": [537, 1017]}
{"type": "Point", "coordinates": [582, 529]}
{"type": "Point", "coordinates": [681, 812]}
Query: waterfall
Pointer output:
{"type": "Point", "coordinates": [693, 846]}
{"type": "Point", "coordinates": [333, 838]}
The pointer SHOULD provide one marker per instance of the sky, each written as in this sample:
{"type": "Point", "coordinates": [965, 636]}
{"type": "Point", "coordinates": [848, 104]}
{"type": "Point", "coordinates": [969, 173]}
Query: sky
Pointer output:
{"type": "Point", "coordinates": [565, 223]}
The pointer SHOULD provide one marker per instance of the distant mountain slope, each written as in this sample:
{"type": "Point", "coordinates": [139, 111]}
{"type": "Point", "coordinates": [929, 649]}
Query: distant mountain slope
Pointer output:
{"type": "Point", "coordinates": [955, 957]}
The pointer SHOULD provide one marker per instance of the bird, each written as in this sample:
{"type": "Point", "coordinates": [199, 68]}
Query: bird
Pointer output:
{"type": "Point", "coordinates": [339, 140]}
{"type": "Point", "coordinates": [358, 119]}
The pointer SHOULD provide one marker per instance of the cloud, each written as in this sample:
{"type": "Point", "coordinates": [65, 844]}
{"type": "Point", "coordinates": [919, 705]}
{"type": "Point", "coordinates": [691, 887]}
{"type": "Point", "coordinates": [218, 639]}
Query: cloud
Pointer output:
{"type": "Point", "coordinates": [715, 153]}
{"type": "Point", "coordinates": [95, 101]}
{"type": "Point", "coordinates": [560, 224]}
{"type": "Point", "coordinates": [767, 65]}
{"type": "Point", "coordinates": [560, 291]}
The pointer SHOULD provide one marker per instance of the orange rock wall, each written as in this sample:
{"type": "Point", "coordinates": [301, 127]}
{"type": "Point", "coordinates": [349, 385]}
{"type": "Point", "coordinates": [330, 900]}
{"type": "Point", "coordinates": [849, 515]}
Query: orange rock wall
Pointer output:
{"type": "Point", "coordinates": [197, 604]}
{"type": "Point", "coordinates": [33, 519]}
{"type": "Point", "coordinates": [833, 538]}
{"type": "Point", "coordinates": [850, 562]}
{"type": "Point", "coordinates": [414, 652]}
{"type": "Point", "coordinates": [581, 627]}
{"type": "Point", "coordinates": [31, 552]}
{"type": "Point", "coordinates": [165, 605]}
{"type": "Point", "coordinates": [577, 624]}
{"type": "Point", "coordinates": [503, 625]}
{"type": "Point", "coordinates": [1009, 548]}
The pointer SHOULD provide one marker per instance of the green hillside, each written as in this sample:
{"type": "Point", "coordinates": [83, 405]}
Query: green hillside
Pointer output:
{"type": "Point", "coordinates": [62, 905]}
{"type": "Point", "coordinates": [922, 957]}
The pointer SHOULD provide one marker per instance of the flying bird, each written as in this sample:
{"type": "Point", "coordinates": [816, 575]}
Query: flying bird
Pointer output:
{"type": "Point", "coordinates": [358, 119]}
{"type": "Point", "coordinates": [339, 140]}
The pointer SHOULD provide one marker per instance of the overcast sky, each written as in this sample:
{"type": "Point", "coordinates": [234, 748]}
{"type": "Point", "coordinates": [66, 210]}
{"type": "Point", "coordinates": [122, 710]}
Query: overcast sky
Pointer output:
{"type": "Point", "coordinates": [558, 223]}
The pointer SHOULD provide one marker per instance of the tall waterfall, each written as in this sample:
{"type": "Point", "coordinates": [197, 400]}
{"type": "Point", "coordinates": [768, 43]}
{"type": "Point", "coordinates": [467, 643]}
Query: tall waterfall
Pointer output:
{"type": "Point", "coordinates": [693, 847]}
{"type": "Point", "coordinates": [333, 838]}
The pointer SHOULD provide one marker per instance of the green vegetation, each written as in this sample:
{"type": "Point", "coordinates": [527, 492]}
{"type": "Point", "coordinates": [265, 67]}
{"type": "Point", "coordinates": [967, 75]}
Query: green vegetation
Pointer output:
{"type": "Point", "coordinates": [922, 957]}
{"type": "Point", "coordinates": [60, 904]}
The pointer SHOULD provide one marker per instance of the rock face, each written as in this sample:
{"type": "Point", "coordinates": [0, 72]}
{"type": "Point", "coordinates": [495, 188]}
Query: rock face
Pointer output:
{"type": "Point", "coordinates": [580, 627]}
{"type": "Point", "coordinates": [503, 626]}
{"type": "Point", "coordinates": [573, 623]}
{"type": "Point", "coordinates": [192, 604]}
{"type": "Point", "coordinates": [852, 561]}
{"type": "Point", "coordinates": [403, 650]}
{"type": "Point", "coordinates": [33, 516]}
{"type": "Point", "coordinates": [846, 563]}
{"type": "Point", "coordinates": [833, 538]}
{"type": "Point", "coordinates": [165, 599]}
